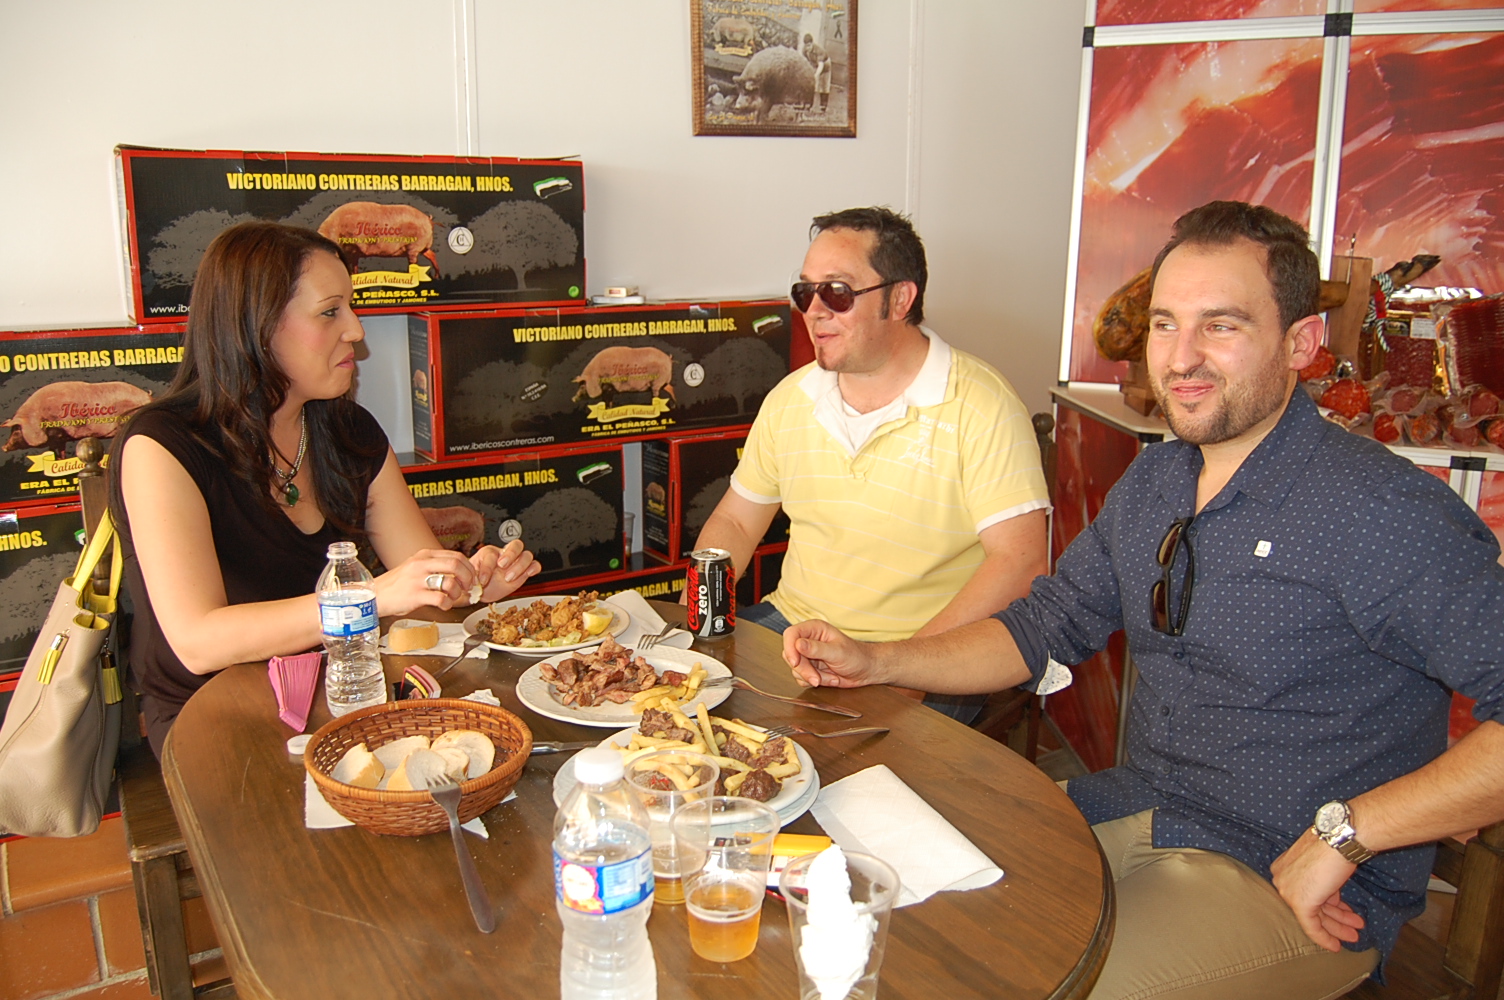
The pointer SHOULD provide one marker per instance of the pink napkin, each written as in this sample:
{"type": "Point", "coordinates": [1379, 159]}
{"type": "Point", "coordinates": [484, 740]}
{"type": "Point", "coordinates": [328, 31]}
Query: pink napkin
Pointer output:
{"type": "Point", "coordinates": [294, 679]}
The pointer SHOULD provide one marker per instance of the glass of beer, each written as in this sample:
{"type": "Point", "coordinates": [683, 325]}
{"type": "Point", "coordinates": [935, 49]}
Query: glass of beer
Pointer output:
{"type": "Point", "coordinates": [725, 849]}
{"type": "Point", "coordinates": [666, 781]}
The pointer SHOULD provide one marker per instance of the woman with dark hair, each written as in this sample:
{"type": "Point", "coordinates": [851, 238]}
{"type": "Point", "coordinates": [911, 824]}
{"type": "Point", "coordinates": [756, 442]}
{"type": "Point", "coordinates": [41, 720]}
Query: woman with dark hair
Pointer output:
{"type": "Point", "coordinates": [229, 489]}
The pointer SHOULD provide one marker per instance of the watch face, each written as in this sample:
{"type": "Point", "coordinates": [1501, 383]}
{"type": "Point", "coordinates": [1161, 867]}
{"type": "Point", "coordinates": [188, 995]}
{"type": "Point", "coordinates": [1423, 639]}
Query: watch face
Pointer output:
{"type": "Point", "coordinates": [1331, 816]}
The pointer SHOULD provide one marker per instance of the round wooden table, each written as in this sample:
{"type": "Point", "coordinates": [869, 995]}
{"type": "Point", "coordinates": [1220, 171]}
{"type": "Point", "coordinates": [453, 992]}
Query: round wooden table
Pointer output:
{"type": "Point", "coordinates": [324, 914]}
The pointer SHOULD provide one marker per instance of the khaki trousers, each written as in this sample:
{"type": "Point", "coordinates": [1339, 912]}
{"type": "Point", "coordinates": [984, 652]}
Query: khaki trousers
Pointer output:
{"type": "Point", "coordinates": [1198, 925]}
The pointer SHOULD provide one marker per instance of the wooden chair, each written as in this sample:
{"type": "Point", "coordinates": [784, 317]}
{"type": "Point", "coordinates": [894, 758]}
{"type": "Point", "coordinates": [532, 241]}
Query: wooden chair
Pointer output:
{"type": "Point", "coordinates": [160, 869]}
{"type": "Point", "coordinates": [1467, 962]}
{"type": "Point", "coordinates": [1006, 709]}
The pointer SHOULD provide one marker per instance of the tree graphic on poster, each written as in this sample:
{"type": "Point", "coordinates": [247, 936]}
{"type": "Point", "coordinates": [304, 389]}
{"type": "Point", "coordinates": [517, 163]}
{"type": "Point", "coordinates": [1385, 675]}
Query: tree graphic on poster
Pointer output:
{"type": "Point", "coordinates": [743, 368]}
{"type": "Point", "coordinates": [179, 246]}
{"type": "Point", "coordinates": [703, 504]}
{"type": "Point", "coordinates": [523, 236]}
{"type": "Point", "coordinates": [567, 519]}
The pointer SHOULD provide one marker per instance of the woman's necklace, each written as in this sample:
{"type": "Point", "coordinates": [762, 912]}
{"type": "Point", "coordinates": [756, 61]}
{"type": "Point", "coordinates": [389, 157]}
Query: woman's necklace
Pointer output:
{"type": "Point", "coordinates": [289, 491]}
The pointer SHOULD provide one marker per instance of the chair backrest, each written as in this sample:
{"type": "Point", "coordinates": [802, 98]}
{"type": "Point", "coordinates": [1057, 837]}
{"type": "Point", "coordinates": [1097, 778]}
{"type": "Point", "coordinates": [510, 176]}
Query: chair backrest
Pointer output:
{"type": "Point", "coordinates": [1044, 427]}
{"type": "Point", "coordinates": [94, 495]}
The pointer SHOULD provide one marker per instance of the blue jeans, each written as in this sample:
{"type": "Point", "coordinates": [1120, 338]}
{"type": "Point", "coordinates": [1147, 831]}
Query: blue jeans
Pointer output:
{"type": "Point", "coordinates": [964, 708]}
{"type": "Point", "coordinates": [764, 614]}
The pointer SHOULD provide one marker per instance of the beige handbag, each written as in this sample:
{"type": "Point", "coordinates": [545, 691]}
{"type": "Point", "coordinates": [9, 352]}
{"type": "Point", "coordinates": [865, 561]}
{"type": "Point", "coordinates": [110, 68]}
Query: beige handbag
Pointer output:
{"type": "Point", "coordinates": [62, 728]}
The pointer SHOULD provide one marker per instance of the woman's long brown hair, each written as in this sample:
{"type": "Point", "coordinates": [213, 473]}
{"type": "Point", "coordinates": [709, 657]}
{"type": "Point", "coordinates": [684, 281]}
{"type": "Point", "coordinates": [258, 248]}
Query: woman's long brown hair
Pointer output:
{"type": "Point", "coordinates": [229, 383]}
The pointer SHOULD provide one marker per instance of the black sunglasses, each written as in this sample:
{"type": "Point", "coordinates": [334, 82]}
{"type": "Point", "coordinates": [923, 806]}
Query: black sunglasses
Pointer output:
{"type": "Point", "coordinates": [838, 295]}
{"type": "Point", "coordinates": [1159, 594]}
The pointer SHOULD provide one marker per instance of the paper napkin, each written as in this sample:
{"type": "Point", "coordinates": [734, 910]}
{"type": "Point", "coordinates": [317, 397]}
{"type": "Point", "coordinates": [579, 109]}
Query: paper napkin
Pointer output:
{"type": "Point", "coordinates": [294, 680]}
{"type": "Point", "coordinates": [318, 814]}
{"type": "Point", "coordinates": [451, 641]}
{"type": "Point", "coordinates": [646, 621]}
{"type": "Point", "coordinates": [874, 812]}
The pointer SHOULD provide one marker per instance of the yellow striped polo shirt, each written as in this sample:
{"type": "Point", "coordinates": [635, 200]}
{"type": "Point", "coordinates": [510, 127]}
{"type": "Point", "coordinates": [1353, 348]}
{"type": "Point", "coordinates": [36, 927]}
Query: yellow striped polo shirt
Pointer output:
{"type": "Point", "coordinates": [881, 540]}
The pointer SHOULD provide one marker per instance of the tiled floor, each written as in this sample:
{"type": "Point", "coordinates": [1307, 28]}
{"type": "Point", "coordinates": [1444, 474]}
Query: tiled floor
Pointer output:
{"type": "Point", "coordinates": [69, 926]}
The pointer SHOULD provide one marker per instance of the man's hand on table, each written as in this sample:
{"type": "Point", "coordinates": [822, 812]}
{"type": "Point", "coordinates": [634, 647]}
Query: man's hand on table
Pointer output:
{"type": "Point", "coordinates": [1310, 876]}
{"type": "Point", "coordinates": [821, 655]}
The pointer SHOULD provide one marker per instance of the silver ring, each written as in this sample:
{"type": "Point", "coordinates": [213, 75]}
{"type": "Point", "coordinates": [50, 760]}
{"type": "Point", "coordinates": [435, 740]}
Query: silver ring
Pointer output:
{"type": "Point", "coordinates": [434, 581]}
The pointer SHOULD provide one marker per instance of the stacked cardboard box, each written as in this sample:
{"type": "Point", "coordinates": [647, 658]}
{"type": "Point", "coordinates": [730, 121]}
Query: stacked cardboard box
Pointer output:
{"type": "Point", "coordinates": [57, 387]}
{"type": "Point", "coordinates": [566, 508]}
{"type": "Point", "coordinates": [417, 232]}
{"type": "Point", "coordinates": [683, 478]}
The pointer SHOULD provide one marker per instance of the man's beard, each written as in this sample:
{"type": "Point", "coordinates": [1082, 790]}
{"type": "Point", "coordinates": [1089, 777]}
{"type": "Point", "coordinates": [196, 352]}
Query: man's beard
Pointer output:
{"type": "Point", "coordinates": [1241, 407]}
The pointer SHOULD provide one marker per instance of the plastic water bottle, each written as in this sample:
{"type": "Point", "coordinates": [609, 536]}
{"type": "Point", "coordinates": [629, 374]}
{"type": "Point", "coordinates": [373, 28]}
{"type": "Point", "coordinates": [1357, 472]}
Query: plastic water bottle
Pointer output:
{"type": "Point", "coordinates": [347, 609]}
{"type": "Point", "coordinates": [603, 885]}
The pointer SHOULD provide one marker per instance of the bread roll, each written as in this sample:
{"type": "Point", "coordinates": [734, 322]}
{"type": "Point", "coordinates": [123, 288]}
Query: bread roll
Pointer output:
{"type": "Point", "coordinates": [359, 767]}
{"type": "Point", "coordinates": [391, 754]}
{"type": "Point", "coordinates": [409, 635]}
{"type": "Point", "coordinates": [416, 771]}
{"type": "Point", "coordinates": [477, 746]}
{"type": "Point", "coordinates": [456, 761]}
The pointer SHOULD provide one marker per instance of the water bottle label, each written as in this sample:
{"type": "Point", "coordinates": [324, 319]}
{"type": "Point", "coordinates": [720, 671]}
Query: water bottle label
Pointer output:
{"type": "Point", "coordinates": [345, 620]}
{"type": "Point", "coordinates": [603, 888]}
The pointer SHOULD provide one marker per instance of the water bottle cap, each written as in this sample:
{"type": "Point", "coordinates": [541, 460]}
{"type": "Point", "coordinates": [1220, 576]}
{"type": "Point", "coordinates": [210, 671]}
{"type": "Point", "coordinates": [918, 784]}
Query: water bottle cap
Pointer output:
{"type": "Point", "coordinates": [598, 766]}
{"type": "Point", "coordinates": [342, 550]}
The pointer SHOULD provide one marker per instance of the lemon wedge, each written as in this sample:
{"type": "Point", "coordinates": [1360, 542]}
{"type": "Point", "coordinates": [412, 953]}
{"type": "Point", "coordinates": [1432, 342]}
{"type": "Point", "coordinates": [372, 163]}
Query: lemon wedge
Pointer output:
{"type": "Point", "coordinates": [596, 621]}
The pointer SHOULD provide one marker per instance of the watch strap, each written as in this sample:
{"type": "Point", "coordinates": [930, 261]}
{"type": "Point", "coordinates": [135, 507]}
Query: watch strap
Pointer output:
{"type": "Point", "coordinates": [1344, 840]}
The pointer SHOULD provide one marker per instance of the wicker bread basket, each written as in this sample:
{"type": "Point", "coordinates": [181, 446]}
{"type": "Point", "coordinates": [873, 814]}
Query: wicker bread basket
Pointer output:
{"type": "Point", "coordinates": [413, 813]}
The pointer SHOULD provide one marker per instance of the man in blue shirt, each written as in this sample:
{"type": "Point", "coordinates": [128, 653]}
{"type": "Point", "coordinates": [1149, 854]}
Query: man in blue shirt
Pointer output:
{"type": "Point", "coordinates": [1298, 601]}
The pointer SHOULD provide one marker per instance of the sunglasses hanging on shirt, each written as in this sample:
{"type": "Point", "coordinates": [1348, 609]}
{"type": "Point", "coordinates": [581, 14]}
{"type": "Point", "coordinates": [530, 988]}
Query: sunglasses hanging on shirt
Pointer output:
{"type": "Point", "coordinates": [1159, 594]}
{"type": "Point", "coordinates": [837, 295]}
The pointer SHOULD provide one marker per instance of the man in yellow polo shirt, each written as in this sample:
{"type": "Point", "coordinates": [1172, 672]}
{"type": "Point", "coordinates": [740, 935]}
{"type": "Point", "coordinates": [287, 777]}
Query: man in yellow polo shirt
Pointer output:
{"type": "Point", "coordinates": [909, 470]}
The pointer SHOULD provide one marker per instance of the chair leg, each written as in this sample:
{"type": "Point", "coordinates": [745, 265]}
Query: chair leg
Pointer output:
{"type": "Point", "coordinates": [1034, 715]}
{"type": "Point", "coordinates": [168, 972]}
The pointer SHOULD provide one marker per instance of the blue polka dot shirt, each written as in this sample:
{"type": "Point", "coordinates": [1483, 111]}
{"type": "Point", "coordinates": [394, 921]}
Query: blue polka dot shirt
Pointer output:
{"type": "Point", "coordinates": [1339, 592]}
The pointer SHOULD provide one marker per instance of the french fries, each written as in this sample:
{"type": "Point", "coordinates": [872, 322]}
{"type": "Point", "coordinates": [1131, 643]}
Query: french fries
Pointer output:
{"type": "Point", "coordinates": [672, 698]}
{"type": "Point", "coordinates": [702, 716]}
{"type": "Point", "coordinates": [744, 730]}
{"type": "Point", "coordinates": [711, 736]}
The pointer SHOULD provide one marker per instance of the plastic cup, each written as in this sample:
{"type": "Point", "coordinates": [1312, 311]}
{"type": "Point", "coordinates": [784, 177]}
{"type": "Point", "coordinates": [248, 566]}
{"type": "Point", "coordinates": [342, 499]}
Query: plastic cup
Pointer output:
{"type": "Point", "coordinates": [628, 528]}
{"type": "Point", "coordinates": [725, 848]}
{"type": "Point", "coordinates": [874, 888]}
{"type": "Point", "coordinates": [666, 781]}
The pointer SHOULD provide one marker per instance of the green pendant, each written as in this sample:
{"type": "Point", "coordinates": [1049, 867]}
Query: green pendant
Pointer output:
{"type": "Point", "coordinates": [290, 492]}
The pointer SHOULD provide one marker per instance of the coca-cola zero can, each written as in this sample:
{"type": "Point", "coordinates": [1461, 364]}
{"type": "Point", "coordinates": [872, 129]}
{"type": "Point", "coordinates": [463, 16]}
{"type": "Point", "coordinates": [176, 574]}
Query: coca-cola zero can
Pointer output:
{"type": "Point", "coordinates": [712, 593]}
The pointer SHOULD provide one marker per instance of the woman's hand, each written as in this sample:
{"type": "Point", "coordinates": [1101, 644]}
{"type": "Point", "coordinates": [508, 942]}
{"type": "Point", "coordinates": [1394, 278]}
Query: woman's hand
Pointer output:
{"type": "Point", "coordinates": [400, 590]}
{"type": "Point", "coordinates": [502, 571]}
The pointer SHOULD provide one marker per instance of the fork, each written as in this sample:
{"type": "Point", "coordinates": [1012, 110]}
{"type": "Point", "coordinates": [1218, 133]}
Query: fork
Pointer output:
{"type": "Point", "coordinates": [742, 685]}
{"type": "Point", "coordinates": [649, 641]}
{"type": "Point", "coordinates": [792, 730]}
{"type": "Point", "coordinates": [471, 641]}
{"type": "Point", "coordinates": [447, 794]}
{"type": "Point", "coordinates": [550, 746]}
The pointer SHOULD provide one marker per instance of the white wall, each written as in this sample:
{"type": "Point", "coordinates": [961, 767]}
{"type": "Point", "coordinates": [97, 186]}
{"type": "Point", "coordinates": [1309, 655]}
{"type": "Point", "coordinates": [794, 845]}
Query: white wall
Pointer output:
{"type": "Point", "coordinates": [982, 155]}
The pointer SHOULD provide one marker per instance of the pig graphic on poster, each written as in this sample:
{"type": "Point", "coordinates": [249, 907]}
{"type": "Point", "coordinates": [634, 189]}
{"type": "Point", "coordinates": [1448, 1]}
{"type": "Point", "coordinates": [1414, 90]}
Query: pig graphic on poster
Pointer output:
{"type": "Point", "coordinates": [369, 229]}
{"type": "Point", "coordinates": [459, 529]}
{"type": "Point", "coordinates": [69, 411]}
{"type": "Point", "coordinates": [626, 369]}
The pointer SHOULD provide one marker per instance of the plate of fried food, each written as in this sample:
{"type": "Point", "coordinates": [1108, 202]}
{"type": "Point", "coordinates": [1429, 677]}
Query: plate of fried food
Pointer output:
{"type": "Point", "coordinates": [774, 770]}
{"type": "Point", "coordinates": [536, 626]}
{"type": "Point", "coordinates": [611, 685]}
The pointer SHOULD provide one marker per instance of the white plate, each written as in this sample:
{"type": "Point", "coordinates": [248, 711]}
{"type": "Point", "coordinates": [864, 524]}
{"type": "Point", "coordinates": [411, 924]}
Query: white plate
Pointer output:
{"type": "Point", "coordinates": [792, 801]}
{"type": "Point", "coordinates": [619, 622]}
{"type": "Point", "coordinates": [536, 693]}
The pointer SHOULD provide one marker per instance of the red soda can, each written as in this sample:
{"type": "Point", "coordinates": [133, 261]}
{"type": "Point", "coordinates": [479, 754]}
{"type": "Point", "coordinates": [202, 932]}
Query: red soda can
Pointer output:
{"type": "Point", "coordinates": [712, 593]}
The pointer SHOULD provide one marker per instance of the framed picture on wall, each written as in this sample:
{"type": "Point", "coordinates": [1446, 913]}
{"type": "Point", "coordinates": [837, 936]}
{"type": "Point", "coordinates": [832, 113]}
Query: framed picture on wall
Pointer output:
{"type": "Point", "coordinates": [769, 68]}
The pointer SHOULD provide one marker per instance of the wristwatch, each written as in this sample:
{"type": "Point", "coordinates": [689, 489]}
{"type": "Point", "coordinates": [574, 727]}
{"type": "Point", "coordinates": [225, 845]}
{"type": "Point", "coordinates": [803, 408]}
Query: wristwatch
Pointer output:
{"type": "Point", "coordinates": [1334, 825]}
